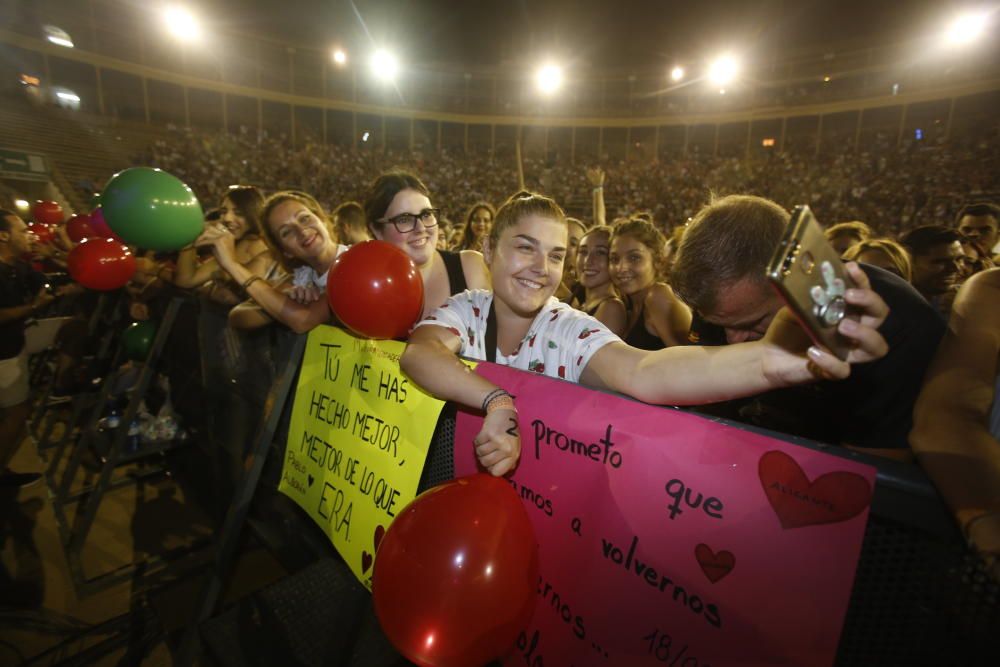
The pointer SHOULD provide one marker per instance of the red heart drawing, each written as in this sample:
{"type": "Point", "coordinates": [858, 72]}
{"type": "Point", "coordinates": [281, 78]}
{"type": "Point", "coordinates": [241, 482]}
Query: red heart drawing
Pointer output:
{"type": "Point", "coordinates": [366, 561]}
{"type": "Point", "coordinates": [714, 565]}
{"type": "Point", "coordinates": [379, 534]}
{"type": "Point", "coordinates": [831, 498]}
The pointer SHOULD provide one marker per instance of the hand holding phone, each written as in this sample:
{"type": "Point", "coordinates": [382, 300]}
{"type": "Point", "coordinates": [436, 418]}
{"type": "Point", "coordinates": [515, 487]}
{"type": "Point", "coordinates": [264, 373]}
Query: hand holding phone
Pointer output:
{"type": "Point", "coordinates": [809, 275]}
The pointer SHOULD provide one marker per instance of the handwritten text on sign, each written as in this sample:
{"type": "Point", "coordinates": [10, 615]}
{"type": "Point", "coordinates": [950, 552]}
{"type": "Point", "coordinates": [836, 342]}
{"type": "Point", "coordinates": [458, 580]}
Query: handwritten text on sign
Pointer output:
{"type": "Point", "coordinates": [669, 539]}
{"type": "Point", "coordinates": [357, 441]}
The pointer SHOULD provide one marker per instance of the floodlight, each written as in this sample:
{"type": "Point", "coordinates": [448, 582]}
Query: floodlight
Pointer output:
{"type": "Point", "coordinates": [966, 28]}
{"type": "Point", "coordinates": [549, 79]}
{"type": "Point", "coordinates": [384, 65]}
{"type": "Point", "coordinates": [68, 96]}
{"type": "Point", "coordinates": [339, 56]}
{"type": "Point", "coordinates": [21, 204]}
{"type": "Point", "coordinates": [181, 23]}
{"type": "Point", "coordinates": [677, 73]}
{"type": "Point", "coordinates": [723, 70]}
{"type": "Point", "coordinates": [57, 36]}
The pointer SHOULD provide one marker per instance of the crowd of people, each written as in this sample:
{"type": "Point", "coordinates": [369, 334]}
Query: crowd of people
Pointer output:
{"type": "Point", "coordinates": [892, 188]}
{"type": "Point", "coordinates": [663, 298]}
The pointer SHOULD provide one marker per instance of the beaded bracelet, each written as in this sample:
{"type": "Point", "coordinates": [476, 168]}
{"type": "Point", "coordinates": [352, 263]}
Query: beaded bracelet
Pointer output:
{"type": "Point", "coordinates": [490, 397]}
{"type": "Point", "coordinates": [502, 402]}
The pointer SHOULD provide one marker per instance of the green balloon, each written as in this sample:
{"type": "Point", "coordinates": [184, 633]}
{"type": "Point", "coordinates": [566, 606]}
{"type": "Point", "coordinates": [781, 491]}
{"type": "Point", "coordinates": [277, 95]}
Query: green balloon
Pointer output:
{"type": "Point", "coordinates": [137, 339]}
{"type": "Point", "coordinates": [151, 209]}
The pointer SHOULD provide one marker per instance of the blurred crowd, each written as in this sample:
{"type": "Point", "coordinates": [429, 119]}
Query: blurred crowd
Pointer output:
{"type": "Point", "coordinates": [891, 188]}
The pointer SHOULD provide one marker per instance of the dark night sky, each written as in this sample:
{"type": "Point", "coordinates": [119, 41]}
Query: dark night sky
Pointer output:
{"type": "Point", "coordinates": [614, 33]}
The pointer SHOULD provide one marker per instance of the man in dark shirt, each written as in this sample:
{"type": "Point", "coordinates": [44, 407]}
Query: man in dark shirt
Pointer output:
{"type": "Point", "coordinates": [22, 293]}
{"type": "Point", "coordinates": [719, 271]}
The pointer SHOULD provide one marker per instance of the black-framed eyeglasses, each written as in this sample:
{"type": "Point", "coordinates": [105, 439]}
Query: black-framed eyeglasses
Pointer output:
{"type": "Point", "coordinates": [407, 222]}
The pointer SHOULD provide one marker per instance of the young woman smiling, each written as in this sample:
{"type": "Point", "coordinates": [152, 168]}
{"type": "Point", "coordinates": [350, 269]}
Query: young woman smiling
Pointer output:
{"type": "Point", "coordinates": [297, 230]}
{"type": "Point", "coordinates": [399, 211]}
{"type": "Point", "coordinates": [657, 318]}
{"type": "Point", "coordinates": [599, 299]}
{"type": "Point", "coordinates": [240, 215]}
{"type": "Point", "coordinates": [521, 324]}
{"type": "Point", "coordinates": [477, 226]}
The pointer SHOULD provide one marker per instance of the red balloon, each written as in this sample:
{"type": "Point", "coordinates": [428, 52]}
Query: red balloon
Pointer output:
{"type": "Point", "coordinates": [101, 264]}
{"type": "Point", "coordinates": [456, 573]}
{"type": "Point", "coordinates": [43, 233]}
{"type": "Point", "coordinates": [100, 226]}
{"type": "Point", "coordinates": [47, 213]}
{"type": "Point", "coordinates": [375, 289]}
{"type": "Point", "coordinates": [78, 228]}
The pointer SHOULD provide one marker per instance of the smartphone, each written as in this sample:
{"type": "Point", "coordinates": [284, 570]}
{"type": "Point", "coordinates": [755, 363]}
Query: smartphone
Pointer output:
{"type": "Point", "coordinates": [808, 273]}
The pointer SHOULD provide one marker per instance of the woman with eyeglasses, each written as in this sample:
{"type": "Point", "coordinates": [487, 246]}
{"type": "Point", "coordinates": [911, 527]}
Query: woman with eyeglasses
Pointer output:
{"type": "Point", "coordinates": [399, 211]}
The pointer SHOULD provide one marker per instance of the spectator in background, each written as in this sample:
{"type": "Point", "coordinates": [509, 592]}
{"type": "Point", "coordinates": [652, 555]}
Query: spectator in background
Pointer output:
{"type": "Point", "coordinates": [845, 234]}
{"type": "Point", "coordinates": [656, 317]}
{"type": "Point", "coordinates": [349, 225]}
{"type": "Point", "coordinates": [568, 287]}
{"type": "Point", "coordinates": [974, 259]}
{"type": "Point", "coordinates": [598, 297]}
{"type": "Point", "coordinates": [477, 225]}
{"type": "Point", "coordinates": [239, 213]}
{"type": "Point", "coordinates": [979, 223]}
{"type": "Point", "coordinates": [719, 271]}
{"type": "Point", "coordinates": [936, 252]}
{"type": "Point", "coordinates": [956, 434]}
{"type": "Point", "coordinates": [23, 293]}
{"type": "Point", "coordinates": [883, 253]}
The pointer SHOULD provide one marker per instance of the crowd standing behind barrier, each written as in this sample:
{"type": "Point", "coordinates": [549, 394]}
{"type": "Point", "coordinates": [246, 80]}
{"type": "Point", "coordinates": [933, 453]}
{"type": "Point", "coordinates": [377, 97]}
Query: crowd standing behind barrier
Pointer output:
{"type": "Point", "coordinates": [895, 195]}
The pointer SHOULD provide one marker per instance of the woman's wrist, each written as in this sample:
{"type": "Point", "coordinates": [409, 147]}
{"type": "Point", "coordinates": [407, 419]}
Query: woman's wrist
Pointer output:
{"type": "Point", "coordinates": [498, 399]}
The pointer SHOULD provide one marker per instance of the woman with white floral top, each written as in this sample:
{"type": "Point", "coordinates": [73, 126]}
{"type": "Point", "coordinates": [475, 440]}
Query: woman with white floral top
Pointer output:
{"type": "Point", "coordinates": [533, 331]}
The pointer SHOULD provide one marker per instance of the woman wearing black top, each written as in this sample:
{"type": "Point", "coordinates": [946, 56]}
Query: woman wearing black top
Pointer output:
{"type": "Point", "coordinates": [399, 211]}
{"type": "Point", "coordinates": [657, 318]}
{"type": "Point", "coordinates": [598, 297]}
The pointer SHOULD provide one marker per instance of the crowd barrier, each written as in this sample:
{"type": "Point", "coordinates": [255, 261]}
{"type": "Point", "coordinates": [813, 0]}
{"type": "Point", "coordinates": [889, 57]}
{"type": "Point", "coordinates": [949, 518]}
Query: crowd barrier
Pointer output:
{"type": "Point", "coordinates": [920, 597]}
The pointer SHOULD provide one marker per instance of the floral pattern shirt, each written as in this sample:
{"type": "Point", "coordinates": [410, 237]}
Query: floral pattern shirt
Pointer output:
{"type": "Point", "coordinates": [559, 343]}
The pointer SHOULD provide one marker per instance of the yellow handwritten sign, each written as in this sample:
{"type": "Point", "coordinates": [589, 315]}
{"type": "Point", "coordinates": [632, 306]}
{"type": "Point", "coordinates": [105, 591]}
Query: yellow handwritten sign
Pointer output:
{"type": "Point", "coordinates": [357, 441]}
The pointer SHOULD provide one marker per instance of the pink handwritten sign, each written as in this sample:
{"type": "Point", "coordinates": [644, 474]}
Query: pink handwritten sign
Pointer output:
{"type": "Point", "coordinates": [670, 539]}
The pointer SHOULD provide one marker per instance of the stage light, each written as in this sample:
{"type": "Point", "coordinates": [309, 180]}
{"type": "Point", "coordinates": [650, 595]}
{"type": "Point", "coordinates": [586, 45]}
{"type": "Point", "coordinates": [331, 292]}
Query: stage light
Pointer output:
{"type": "Point", "coordinates": [365, 137]}
{"type": "Point", "coordinates": [385, 67]}
{"type": "Point", "coordinates": [723, 70]}
{"type": "Point", "coordinates": [181, 23]}
{"type": "Point", "coordinates": [68, 96]}
{"type": "Point", "coordinates": [57, 36]}
{"type": "Point", "coordinates": [549, 79]}
{"type": "Point", "coordinates": [967, 28]}
{"type": "Point", "coordinates": [339, 56]}
{"type": "Point", "coordinates": [826, 79]}
{"type": "Point", "coordinates": [21, 204]}
{"type": "Point", "coordinates": [677, 73]}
